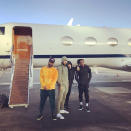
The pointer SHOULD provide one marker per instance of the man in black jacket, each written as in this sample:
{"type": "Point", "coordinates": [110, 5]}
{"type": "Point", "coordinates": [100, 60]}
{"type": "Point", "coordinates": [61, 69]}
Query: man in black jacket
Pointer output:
{"type": "Point", "coordinates": [71, 73]}
{"type": "Point", "coordinates": [83, 77]}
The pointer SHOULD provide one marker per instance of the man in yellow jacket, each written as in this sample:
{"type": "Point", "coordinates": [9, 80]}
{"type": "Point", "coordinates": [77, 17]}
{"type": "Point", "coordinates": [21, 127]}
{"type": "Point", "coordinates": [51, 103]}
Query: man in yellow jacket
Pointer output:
{"type": "Point", "coordinates": [48, 78]}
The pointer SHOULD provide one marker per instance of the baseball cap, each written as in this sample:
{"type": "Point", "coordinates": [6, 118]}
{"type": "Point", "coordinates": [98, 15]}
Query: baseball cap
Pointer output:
{"type": "Point", "coordinates": [52, 60]}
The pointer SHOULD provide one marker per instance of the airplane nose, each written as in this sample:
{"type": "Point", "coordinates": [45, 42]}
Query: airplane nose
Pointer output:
{"type": "Point", "coordinates": [8, 44]}
{"type": "Point", "coordinates": [7, 47]}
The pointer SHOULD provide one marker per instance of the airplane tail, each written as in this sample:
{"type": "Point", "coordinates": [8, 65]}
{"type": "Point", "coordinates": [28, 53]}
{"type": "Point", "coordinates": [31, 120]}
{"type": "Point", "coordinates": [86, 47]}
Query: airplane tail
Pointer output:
{"type": "Point", "coordinates": [70, 22]}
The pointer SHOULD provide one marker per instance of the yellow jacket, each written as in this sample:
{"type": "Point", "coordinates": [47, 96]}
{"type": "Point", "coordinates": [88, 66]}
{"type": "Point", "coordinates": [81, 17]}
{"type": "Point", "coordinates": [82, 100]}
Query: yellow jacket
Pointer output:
{"type": "Point", "coordinates": [48, 77]}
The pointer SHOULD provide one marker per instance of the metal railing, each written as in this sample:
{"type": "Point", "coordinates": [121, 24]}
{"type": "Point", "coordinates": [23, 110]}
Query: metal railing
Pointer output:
{"type": "Point", "coordinates": [12, 61]}
{"type": "Point", "coordinates": [30, 72]}
{"type": "Point", "coordinates": [30, 76]}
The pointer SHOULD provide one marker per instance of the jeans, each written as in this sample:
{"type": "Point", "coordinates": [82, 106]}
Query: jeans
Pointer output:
{"type": "Point", "coordinates": [68, 95]}
{"type": "Point", "coordinates": [83, 89]}
{"type": "Point", "coordinates": [43, 97]}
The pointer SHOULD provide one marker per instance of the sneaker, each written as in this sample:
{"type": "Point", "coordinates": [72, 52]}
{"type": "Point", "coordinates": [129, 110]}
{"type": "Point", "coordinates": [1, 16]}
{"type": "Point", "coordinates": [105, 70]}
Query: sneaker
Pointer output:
{"type": "Point", "coordinates": [54, 117]}
{"type": "Point", "coordinates": [40, 117]}
{"type": "Point", "coordinates": [64, 112]}
{"type": "Point", "coordinates": [80, 108]}
{"type": "Point", "coordinates": [60, 116]}
{"type": "Point", "coordinates": [87, 109]}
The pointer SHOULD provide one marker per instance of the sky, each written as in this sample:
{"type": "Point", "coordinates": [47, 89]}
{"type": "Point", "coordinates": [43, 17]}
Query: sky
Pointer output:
{"type": "Point", "coordinates": [98, 13]}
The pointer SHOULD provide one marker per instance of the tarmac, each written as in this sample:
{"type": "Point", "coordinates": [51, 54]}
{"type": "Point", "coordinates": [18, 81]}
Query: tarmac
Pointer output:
{"type": "Point", "coordinates": [110, 105]}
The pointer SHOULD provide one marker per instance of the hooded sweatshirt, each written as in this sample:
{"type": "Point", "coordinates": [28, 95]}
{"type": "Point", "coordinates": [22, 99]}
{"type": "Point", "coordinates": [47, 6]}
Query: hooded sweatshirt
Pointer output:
{"type": "Point", "coordinates": [63, 73]}
{"type": "Point", "coordinates": [71, 73]}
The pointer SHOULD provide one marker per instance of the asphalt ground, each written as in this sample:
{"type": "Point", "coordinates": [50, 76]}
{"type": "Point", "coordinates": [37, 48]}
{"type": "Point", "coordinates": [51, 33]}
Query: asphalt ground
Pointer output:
{"type": "Point", "coordinates": [110, 105]}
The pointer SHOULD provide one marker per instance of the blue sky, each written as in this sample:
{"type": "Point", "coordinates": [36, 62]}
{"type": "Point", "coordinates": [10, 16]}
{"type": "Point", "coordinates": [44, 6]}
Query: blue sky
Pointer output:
{"type": "Point", "coordinates": [109, 13]}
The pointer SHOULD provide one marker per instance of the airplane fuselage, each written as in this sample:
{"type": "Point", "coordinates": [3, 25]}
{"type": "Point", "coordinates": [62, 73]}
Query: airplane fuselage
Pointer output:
{"type": "Point", "coordinates": [109, 47]}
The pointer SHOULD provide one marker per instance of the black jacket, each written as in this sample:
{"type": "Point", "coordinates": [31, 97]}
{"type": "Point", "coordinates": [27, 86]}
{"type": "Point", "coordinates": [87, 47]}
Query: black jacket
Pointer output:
{"type": "Point", "coordinates": [71, 73]}
{"type": "Point", "coordinates": [83, 76]}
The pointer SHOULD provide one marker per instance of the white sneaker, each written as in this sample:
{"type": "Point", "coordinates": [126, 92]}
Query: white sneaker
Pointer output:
{"type": "Point", "coordinates": [60, 116]}
{"type": "Point", "coordinates": [64, 112]}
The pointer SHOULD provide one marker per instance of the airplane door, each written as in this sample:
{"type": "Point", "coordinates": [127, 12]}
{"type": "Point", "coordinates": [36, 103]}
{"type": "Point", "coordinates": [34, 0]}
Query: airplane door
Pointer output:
{"type": "Point", "coordinates": [22, 42]}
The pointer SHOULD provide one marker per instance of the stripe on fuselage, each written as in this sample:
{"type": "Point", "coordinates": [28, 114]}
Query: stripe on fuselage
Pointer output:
{"type": "Point", "coordinates": [75, 56]}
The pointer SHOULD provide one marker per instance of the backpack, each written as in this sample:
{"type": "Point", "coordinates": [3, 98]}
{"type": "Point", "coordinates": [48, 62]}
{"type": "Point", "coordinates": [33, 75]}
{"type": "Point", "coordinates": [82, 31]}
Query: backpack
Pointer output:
{"type": "Point", "coordinates": [3, 101]}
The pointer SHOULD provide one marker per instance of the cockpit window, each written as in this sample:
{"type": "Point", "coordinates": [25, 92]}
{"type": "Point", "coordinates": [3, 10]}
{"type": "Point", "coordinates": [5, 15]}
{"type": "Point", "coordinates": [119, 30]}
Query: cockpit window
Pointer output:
{"type": "Point", "coordinates": [2, 30]}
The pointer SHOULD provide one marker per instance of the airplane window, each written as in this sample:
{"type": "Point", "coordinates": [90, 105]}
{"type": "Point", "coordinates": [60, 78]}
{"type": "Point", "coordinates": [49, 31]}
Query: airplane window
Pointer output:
{"type": "Point", "coordinates": [90, 41]}
{"type": "Point", "coordinates": [2, 30]}
{"type": "Point", "coordinates": [129, 42]}
{"type": "Point", "coordinates": [67, 40]}
{"type": "Point", "coordinates": [112, 42]}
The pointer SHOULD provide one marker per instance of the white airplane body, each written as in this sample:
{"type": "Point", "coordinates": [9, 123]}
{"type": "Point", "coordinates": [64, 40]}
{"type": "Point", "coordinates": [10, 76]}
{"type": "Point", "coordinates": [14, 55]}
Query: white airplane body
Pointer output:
{"type": "Point", "coordinates": [106, 47]}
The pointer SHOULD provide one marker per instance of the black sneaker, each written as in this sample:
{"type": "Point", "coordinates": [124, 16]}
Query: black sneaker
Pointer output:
{"type": "Point", "coordinates": [54, 117]}
{"type": "Point", "coordinates": [87, 109]}
{"type": "Point", "coordinates": [80, 107]}
{"type": "Point", "coordinates": [40, 117]}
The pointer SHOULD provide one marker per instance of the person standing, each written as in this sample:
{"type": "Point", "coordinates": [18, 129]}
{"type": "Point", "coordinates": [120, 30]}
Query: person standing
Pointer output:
{"type": "Point", "coordinates": [48, 78]}
{"type": "Point", "coordinates": [63, 84]}
{"type": "Point", "coordinates": [83, 77]}
{"type": "Point", "coordinates": [71, 72]}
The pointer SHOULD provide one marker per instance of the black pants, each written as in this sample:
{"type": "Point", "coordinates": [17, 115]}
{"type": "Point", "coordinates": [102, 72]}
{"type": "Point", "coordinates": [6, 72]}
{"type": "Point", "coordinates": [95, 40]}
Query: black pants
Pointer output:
{"type": "Point", "coordinates": [43, 97]}
{"type": "Point", "coordinates": [83, 89]}
{"type": "Point", "coordinates": [68, 95]}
